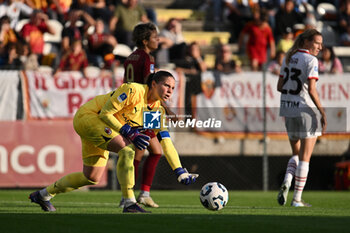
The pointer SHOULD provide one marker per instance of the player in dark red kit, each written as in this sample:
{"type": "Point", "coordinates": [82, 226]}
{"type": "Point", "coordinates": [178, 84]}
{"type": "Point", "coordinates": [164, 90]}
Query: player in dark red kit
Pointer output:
{"type": "Point", "coordinates": [140, 63]}
{"type": "Point", "coordinates": [138, 66]}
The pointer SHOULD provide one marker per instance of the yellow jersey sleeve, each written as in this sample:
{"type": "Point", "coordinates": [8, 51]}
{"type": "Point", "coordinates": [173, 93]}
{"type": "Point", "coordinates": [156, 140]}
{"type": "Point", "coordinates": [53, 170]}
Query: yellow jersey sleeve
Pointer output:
{"type": "Point", "coordinates": [169, 150]}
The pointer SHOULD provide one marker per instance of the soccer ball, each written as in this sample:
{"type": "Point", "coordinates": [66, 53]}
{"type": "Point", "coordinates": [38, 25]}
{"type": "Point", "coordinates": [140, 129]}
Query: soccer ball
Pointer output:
{"type": "Point", "coordinates": [214, 196]}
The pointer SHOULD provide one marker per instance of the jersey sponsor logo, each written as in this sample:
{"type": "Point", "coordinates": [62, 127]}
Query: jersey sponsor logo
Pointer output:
{"type": "Point", "coordinates": [151, 68]}
{"type": "Point", "coordinates": [152, 120]}
{"type": "Point", "coordinates": [289, 104]}
{"type": "Point", "coordinates": [316, 68]}
{"type": "Point", "coordinates": [122, 97]}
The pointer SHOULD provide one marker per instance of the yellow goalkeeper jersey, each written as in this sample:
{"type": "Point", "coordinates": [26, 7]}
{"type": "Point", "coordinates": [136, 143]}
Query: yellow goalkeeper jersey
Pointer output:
{"type": "Point", "coordinates": [125, 105]}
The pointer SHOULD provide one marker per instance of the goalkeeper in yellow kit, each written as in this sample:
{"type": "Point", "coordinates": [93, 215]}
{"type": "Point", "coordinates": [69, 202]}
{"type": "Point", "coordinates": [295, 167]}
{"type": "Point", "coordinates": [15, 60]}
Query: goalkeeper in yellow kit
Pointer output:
{"type": "Point", "coordinates": [114, 122]}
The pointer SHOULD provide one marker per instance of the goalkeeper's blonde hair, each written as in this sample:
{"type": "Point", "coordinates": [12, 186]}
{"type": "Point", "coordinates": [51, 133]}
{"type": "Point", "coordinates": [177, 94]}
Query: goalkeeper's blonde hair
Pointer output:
{"type": "Point", "coordinates": [299, 42]}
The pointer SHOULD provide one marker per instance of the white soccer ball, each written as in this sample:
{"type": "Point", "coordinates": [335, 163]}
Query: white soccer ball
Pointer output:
{"type": "Point", "coordinates": [213, 196]}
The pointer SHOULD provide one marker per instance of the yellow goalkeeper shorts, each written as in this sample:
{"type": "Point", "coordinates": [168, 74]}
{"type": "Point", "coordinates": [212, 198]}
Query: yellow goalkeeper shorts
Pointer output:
{"type": "Point", "coordinates": [95, 136]}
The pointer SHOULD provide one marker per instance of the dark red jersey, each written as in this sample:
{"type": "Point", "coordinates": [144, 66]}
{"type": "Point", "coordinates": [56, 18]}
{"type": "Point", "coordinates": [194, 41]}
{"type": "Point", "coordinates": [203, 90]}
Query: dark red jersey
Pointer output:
{"type": "Point", "coordinates": [138, 66]}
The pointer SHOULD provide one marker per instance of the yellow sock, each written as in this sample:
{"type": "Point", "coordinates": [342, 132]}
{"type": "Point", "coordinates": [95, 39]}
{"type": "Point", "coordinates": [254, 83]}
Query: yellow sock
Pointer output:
{"type": "Point", "coordinates": [69, 183]}
{"type": "Point", "coordinates": [127, 192]}
{"type": "Point", "coordinates": [125, 171]}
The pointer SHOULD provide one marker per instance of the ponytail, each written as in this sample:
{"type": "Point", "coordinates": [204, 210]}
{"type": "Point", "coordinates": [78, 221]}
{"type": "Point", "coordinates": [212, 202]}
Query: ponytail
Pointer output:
{"type": "Point", "coordinates": [149, 79]}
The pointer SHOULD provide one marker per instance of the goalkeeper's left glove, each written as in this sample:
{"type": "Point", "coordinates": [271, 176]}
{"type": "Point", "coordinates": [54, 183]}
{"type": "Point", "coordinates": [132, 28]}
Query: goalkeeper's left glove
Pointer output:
{"type": "Point", "coordinates": [139, 140]}
{"type": "Point", "coordinates": [184, 177]}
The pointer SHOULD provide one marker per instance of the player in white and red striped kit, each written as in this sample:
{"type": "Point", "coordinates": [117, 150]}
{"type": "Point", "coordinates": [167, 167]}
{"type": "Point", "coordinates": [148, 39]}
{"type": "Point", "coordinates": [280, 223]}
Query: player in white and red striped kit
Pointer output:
{"type": "Point", "coordinates": [305, 118]}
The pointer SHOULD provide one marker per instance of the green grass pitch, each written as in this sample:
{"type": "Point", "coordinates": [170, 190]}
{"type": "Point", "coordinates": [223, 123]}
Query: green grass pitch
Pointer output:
{"type": "Point", "coordinates": [180, 211]}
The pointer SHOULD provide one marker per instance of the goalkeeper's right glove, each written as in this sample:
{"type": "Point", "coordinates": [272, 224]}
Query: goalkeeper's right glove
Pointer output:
{"type": "Point", "coordinates": [140, 140]}
{"type": "Point", "coordinates": [184, 177]}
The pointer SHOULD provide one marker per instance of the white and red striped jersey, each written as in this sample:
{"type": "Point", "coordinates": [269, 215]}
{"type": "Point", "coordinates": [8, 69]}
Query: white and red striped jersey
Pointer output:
{"type": "Point", "coordinates": [295, 97]}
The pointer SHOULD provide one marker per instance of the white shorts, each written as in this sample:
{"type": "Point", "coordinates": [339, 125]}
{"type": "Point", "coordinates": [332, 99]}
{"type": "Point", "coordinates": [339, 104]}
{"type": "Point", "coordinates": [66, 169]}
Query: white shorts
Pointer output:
{"type": "Point", "coordinates": [307, 126]}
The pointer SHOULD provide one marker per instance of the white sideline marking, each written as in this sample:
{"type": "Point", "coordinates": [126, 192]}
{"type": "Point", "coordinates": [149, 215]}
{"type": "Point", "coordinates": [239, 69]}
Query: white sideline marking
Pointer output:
{"type": "Point", "coordinates": [89, 203]}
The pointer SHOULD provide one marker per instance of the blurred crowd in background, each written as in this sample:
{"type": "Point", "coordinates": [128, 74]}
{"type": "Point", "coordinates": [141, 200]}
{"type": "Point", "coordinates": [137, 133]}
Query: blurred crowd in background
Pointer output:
{"type": "Point", "coordinates": [87, 33]}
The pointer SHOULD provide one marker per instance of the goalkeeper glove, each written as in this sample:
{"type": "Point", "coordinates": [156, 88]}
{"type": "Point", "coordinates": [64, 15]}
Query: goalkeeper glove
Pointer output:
{"type": "Point", "coordinates": [140, 140]}
{"type": "Point", "coordinates": [184, 177]}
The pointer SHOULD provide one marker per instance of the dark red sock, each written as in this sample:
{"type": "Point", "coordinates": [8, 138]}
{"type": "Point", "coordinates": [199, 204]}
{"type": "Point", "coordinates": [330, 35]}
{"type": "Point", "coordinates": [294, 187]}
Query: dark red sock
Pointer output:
{"type": "Point", "coordinates": [136, 168]}
{"type": "Point", "coordinates": [149, 169]}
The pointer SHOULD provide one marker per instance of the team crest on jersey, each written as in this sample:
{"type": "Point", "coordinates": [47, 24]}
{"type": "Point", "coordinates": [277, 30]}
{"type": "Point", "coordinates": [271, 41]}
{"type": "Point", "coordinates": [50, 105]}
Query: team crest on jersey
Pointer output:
{"type": "Point", "coordinates": [122, 97]}
{"type": "Point", "coordinates": [151, 68]}
{"type": "Point", "coordinates": [108, 131]}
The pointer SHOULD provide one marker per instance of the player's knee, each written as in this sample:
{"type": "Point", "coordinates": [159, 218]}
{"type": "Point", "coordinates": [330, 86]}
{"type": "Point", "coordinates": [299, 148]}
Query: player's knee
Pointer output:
{"type": "Point", "coordinates": [126, 156]}
{"type": "Point", "coordinates": [92, 180]}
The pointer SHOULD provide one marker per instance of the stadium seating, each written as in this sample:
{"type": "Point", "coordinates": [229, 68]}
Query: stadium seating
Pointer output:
{"type": "Point", "coordinates": [343, 53]}
{"type": "Point", "coordinates": [122, 50]}
{"type": "Point", "coordinates": [327, 12]}
{"type": "Point", "coordinates": [57, 37]}
{"type": "Point", "coordinates": [163, 15]}
{"type": "Point", "coordinates": [324, 9]}
{"type": "Point", "coordinates": [310, 8]}
{"type": "Point", "coordinates": [206, 38]}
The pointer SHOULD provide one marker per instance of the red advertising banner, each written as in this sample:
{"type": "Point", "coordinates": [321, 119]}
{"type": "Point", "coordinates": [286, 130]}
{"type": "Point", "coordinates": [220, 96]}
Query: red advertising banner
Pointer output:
{"type": "Point", "coordinates": [37, 153]}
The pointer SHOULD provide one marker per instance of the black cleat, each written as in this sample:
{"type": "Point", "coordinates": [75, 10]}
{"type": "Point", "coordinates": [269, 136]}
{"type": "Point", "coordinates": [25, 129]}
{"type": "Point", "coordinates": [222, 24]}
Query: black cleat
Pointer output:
{"type": "Point", "coordinates": [134, 208]}
{"type": "Point", "coordinates": [45, 205]}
